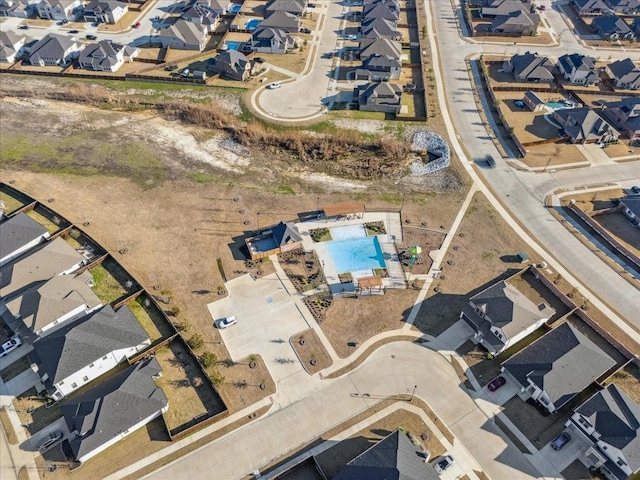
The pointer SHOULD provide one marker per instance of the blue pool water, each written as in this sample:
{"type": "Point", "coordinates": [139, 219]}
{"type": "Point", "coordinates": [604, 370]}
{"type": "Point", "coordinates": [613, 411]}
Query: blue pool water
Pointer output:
{"type": "Point", "coordinates": [556, 105]}
{"type": "Point", "coordinates": [233, 45]}
{"type": "Point", "coordinates": [235, 7]}
{"type": "Point", "coordinates": [362, 253]}
{"type": "Point", "coordinates": [252, 24]}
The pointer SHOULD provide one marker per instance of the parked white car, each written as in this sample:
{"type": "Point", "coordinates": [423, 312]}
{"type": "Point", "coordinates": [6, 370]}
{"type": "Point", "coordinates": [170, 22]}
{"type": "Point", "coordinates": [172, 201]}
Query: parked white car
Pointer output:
{"type": "Point", "coordinates": [443, 463]}
{"type": "Point", "coordinates": [8, 347]}
{"type": "Point", "coordinates": [226, 322]}
{"type": "Point", "coordinates": [274, 85]}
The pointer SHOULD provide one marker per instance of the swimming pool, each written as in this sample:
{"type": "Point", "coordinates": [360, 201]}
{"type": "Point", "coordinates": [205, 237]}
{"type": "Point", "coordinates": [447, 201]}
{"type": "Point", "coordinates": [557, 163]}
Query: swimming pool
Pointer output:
{"type": "Point", "coordinates": [556, 105]}
{"type": "Point", "coordinates": [233, 45]}
{"type": "Point", "coordinates": [252, 24]}
{"type": "Point", "coordinates": [235, 7]}
{"type": "Point", "coordinates": [354, 254]}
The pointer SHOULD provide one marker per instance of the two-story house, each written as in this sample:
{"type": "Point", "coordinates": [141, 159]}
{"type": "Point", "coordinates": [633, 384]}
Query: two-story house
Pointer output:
{"type": "Point", "coordinates": [19, 234]}
{"type": "Point", "coordinates": [271, 40]}
{"type": "Point", "coordinates": [589, 7]}
{"type": "Point", "coordinates": [578, 69]}
{"type": "Point", "coordinates": [625, 115]}
{"type": "Point", "coordinates": [624, 7]}
{"type": "Point", "coordinates": [612, 27]}
{"type": "Point", "coordinates": [105, 11]}
{"type": "Point", "coordinates": [106, 56]}
{"type": "Point", "coordinates": [107, 413]}
{"type": "Point", "coordinates": [75, 353]}
{"type": "Point", "coordinates": [203, 13]}
{"type": "Point", "coordinates": [54, 50]}
{"type": "Point", "coordinates": [501, 315]}
{"type": "Point", "coordinates": [557, 366]}
{"type": "Point", "coordinates": [294, 7]}
{"type": "Point", "coordinates": [583, 125]}
{"type": "Point", "coordinates": [60, 9]}
{"type": "Point", "coordinates": [610, 422]}
{"type": "Point", "coordinates": [624, 73]}
{"type": "Point", "coordinates": [234, 65]}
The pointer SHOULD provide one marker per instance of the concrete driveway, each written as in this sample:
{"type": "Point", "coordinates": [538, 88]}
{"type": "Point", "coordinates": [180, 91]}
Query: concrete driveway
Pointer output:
{"type": "Point", "coordinates": [573, 450]}
{"type": "Point", "coordinates": [267, 318]}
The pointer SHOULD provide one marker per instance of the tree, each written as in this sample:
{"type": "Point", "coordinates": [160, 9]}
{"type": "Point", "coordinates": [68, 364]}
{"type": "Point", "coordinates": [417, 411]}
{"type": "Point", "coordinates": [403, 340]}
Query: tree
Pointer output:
{"type": "Point", "coordinates": [208, 359]}
{"type": "Point", "coordinates": [196, 342]}
{"type": "Point", "coordinates": [217, 378]}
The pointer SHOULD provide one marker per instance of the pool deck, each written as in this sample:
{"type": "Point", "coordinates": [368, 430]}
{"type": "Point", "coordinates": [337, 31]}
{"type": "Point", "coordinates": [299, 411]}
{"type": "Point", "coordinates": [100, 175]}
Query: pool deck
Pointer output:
{"type": "Point", "coordinates": [387, 241]}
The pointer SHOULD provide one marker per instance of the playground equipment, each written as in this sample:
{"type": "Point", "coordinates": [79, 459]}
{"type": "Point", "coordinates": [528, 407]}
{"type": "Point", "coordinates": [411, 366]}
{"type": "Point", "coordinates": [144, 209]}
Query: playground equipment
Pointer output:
{"type": "Point", "coordinates": [415, 252]}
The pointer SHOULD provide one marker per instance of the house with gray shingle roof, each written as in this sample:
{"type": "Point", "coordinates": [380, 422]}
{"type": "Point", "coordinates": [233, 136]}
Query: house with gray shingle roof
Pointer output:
{"type": "Point", "coordinates": [284, 21]}
{"type": "Point", "coordinates": [105, 11]}
{"type": "Point", "coordinates": [381, 47]}
{"type": "Point", "coordinates": [202, 13]}
{"type": "Point", "coordinates": [286, 234]}
{"type": "Point", "coordinates": [61, 299]}
{"type": "Point", "coordinates": [11, 46]}
{"type": "Point", "coordinates": [625, 7]}
{"type": "Point", "coordinates": [583, 125]}
{"type": "Point", "coordinates": [380, 27]}
{"type": "Point", "coordinates": [610, 421]}
{"type": "Point", "coordinates": [624, 73]}
{"type": "Point", "coordinates": [631, 208]}
{"type": "Point", "coordinates": [54, 50]}
{"type": "Point", "coordinates": [379, 97]}
{"type": "Point", "coordinates": [393, 457]}
{"type": "Point", "coordinates": [75, 353]}
{"type": "Point", "coordinates": [18, 8]}
{"type": "Point", "coordinates": [625, 115]}
{"type": "Point", "coordinates": [501, 315]}
{"type": "Point", "coordinates": [511, 17]}
{"type": "Point", "coordinates": [233, 64]}
{"type": "Point", "coordinates": [18, 235]}
{"type": "Point", "coordinates": [42, 263]}
{"type": "Point", "coordinates": [271, 40]}
{"type": "Point", "coordinates": [60, 9]}
{"type": "Point", "coordinates": [589, 7]}
{"type": "Point", "coordinates": [379, 68]}
{"type": "Point", "coordinates": [106, 56]}
{"type": "Point", "coordinates": [104, 415]}
{"type": "Point", "coordinates": [380, 10]}
{"type": "Point", "coordinates": [557, 366]}
{"type": "Point", "coordinates": [578, 69]}
{"type": "Point", "coordinates": [294, 7]}
{"type": "Point", "coordinates": [184, 35]}
{"type": "Point", "coordinates": [529, 67]}
{"type": "Point", "coordinates": [611, 27]}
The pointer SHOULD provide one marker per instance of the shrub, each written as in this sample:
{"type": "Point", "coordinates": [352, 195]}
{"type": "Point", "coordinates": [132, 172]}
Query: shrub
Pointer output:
{"type": "Point", "coordinates": [196, 342]}
{"type": "Point", "coordinates": [208, 359]}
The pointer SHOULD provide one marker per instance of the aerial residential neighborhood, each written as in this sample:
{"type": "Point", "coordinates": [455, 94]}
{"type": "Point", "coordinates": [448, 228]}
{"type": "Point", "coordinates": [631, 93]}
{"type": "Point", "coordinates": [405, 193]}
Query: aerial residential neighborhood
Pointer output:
{"type": "Point", "coordinates": [320, 240]}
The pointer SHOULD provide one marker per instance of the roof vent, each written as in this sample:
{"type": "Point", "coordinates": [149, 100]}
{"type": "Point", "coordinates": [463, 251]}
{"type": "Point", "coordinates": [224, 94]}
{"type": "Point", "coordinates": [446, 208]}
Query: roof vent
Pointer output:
{"type": "Point", "coordinates": [542, 306]}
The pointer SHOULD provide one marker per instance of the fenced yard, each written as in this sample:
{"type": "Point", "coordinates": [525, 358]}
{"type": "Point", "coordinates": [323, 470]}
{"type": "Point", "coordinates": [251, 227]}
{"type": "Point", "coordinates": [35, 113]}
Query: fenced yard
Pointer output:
{"type": "Point", "coordinates": [111, 282]}
{"type": "Point", "coordinates": [151, 318]}
{"type": "Point", "coordinates": [619, 226]}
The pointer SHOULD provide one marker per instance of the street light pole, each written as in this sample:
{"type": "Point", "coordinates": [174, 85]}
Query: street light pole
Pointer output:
{"type": "Point", "coordinates": [548, 162]}
{"type": "Point", "coordinates": [413, 393]}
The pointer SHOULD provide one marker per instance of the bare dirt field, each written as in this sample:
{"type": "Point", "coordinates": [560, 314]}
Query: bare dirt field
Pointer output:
{"type": "Point", "coordinates": [358, 319]}
{"type": "Point", "coordinates": [483, 252]}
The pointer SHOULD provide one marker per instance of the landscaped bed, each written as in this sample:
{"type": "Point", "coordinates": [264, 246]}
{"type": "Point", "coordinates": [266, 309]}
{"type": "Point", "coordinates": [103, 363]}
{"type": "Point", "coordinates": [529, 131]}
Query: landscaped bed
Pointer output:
{"type": "Point", "coordinates": [310, 351]}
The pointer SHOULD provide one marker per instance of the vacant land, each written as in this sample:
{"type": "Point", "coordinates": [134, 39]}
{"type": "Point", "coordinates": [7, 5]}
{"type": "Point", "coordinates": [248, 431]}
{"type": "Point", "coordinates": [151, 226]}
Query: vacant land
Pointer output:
{"type": "Point", "coordinates": [358, 319]}
{"type": "Point", "coordinates": [483, 252]}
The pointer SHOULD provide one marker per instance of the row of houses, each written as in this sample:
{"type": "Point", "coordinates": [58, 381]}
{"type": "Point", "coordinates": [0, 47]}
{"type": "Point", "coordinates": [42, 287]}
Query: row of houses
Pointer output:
{"type": "Point", "coordinates": [555, 369]}
{"type": "Point", "coordinates": [576, 68]}
{"type": "Point", "coordinates": [61, 50]}
{"type": "Point", "coordinates": [75, 338]}
{"type": "Point", "coordinates": [605, 7]}
{"type": "Point", "coordinates": [103, 11]}
{"type": "Point", "coordinates": [380, 51]}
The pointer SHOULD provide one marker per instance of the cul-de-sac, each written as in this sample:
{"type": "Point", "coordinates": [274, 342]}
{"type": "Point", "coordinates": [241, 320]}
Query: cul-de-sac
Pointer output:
{"type": "Point", "coordinates": [320, 239]}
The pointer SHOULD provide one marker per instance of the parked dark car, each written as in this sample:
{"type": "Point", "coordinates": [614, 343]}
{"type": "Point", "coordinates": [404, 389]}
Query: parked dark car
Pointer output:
{"type": "Point", "coordinates": [171, 68]}
{"type": "Point", "coordinates": [490, 161]}
{"type": "Point", "coordinates": [24, 27]}
{"type": "Point", "coordinates": [305, 30]}
{"type": "Point", "coordinates": [73, 32]}
{"type": "Point", "coordinates": [519, 103]}
{"type": "Point", "coordinates": [311, 5]}
{"type": "Point", "coordinates": [259, 60]}
{"type": "Point", "coordinates": [496, 383]}
{"type": "Point", "coordinates": [91, 37]}
{"type": "Point", "coordinates": [560, 441]}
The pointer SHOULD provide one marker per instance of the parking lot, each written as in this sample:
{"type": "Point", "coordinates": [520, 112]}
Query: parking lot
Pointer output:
{"type": "Point", "coordinates": [267, 319]}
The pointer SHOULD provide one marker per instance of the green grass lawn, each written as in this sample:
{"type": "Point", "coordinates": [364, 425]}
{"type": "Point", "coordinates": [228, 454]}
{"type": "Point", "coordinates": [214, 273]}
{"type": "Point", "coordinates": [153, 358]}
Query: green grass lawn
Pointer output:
{"type": "Point", "coordinates": [44, 221]}
{"type": "Point", "coordinates": [106, 287]}
{"type": "Point", "coordinates": [11, 204]}
{"type": "Point", "coordinates": [152, 320]}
